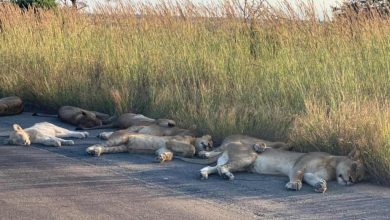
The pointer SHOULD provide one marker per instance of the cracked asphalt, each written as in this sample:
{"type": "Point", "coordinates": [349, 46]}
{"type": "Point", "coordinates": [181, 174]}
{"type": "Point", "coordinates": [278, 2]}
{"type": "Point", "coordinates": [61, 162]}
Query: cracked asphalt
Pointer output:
{"type": "Point", "coordinates": [41, 182]}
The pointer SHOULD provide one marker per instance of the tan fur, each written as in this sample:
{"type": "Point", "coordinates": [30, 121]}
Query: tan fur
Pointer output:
{"type": "Point", "coordinates": [80, 117]}
{"type": "Point", "coordinates": [155, 129]}
{"type": "Point", "coordinates": [251, 143]}
{"type": "Point", "coordinates": [127, 120]}
{"type": "Point", "coordinates": [314, 168]}
{"type": "Point", "coordinates": [43, 133]}
{"type": "Point", "coordinates": [163, 146]}
{"type": "Point", "coordinates": [11, 106]}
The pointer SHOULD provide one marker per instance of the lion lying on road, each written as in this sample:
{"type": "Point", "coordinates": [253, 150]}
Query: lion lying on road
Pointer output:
{"type": "Point", "coordinates": [245, 140]}
{"type": "Point", "coordinates": [43, 133]}
{"type": "Point", "coordinates": [11, 106]}
{"type": "Point", "coordinates": [314, 168]}
{"type": "Point", "coordinates": [164, 147]}
{"type": "Point", "coordinates": [130, 119]}
{"type": "Point", "coordinates": [79, 117]}
{"type": "Point", "coordinates": [155, 129]}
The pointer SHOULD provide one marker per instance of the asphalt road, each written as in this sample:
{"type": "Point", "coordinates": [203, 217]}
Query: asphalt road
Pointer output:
{"type": "Point", "coordinates": [40, 182]}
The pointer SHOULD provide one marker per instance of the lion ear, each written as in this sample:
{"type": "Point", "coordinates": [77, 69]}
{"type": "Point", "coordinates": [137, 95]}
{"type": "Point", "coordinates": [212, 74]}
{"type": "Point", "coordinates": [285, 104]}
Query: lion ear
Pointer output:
{"type": "Point", "coordinates": [354, 154]}
{"type": "Point", "coordinates": [17, 127]}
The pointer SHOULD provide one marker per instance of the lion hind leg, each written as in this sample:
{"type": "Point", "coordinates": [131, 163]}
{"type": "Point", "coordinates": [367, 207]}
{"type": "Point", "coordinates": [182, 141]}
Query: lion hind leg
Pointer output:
{"type": "Point", "coordinates": [318, 183]}
{"type": "Point", "coordinates": [97, 150]}
{"type": "Point", "coordinates": [206, 171]}
{"type": "Point", "coordinates": [163, 154]}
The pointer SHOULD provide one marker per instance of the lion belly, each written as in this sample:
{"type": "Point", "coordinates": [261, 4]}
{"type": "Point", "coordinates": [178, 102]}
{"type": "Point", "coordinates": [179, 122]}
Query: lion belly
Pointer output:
{"type": "Point", "coordinates": [43, 129]}
{"type": "Point", "coordinates": [146, 142]}
{"type": "Point", "coordinates": [275, 162]}
{"type": "Point", "coordinates": [267, 165]}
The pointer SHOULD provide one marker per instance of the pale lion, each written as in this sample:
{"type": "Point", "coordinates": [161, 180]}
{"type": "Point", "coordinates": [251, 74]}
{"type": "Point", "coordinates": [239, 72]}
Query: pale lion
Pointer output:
{"type": "Point", "coordinates": [11, 106]}
{"type": "Point", "coordinates": [43, 133]}
{"type": "Point", "coordinates": [163, 146]}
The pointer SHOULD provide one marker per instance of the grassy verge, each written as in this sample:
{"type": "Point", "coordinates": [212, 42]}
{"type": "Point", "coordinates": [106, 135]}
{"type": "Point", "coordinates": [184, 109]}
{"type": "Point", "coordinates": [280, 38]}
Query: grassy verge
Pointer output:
{"type": "Point", "coordinates": [320, 85]}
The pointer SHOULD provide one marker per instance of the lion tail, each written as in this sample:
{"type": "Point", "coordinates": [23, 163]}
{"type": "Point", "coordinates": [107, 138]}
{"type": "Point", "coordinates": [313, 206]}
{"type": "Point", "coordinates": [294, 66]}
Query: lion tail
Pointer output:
{"type": "Point", "coordinates": [199, 161]}
{"type": "Point", "coordinates": [44, 115]}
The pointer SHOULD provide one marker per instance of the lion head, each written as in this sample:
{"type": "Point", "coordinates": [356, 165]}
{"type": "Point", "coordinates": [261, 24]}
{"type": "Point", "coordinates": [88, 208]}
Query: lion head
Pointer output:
{"type": "Point", "coordinates": [88, 120]}
{"type": "Point", "coordinates": [351, 170]}
{"type": "Point", "coordinates": [204, 143]}
{"type": "Point", "coordinates": [18, 136]}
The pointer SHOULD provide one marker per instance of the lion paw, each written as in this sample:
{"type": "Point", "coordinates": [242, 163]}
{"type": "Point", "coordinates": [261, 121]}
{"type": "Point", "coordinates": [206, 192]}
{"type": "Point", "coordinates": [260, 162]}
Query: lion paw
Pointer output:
{"type": "Point", "coordinates": [57, 143]}
{"type": "Point", "coordinates": [94, 150]}
{"type": "Point", "coordinates": [228, 176]}
{"type": "Point", "coordinates": [104, 135]}
{"type": "Point", "coordinates": [167, 156]}
{"type": "Point", "coordinates": [320, 187]}
{"type": "Point", "coordinates": [204, 175]}
{"type": "Point", "coordinates": [85, 134]}
{"type": "Point", "coordinates": [296, 186]}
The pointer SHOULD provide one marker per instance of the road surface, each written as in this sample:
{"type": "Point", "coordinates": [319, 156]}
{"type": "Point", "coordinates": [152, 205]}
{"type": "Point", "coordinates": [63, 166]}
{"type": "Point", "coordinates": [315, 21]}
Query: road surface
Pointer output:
{"type": "Point", "coordinates": [40, 182]}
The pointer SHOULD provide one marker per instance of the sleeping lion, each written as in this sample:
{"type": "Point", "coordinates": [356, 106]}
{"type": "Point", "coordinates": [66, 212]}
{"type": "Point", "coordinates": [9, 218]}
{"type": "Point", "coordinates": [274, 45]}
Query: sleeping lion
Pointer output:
{"type": "Point", "coordinates": [43, 133]}
{"type": "Point", "coordinates": [154, 129]}
{"type": "Point", "coordinates": [11, 106]}
{"type": "Point", "coordinates": [315, 168]}
{"type": "Point", "coordinates": [163, 146]}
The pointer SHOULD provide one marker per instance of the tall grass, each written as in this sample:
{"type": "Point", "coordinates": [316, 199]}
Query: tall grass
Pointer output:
{"type": "Point", "coordinates": [282, 76]}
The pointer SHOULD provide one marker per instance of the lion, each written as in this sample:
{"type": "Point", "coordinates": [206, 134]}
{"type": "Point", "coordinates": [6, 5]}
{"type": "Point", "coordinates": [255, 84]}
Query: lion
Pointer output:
{"type": "Point", "coordinates": [154, 129]}
{"type": "Point", "coordinates": [315, 168]}
{"type": "Point", "coordinates": [127, 120]}
{"type": "Point", "coordinates": [163, 146]}
{"type": "Point", "coordinates": [43, 133]}
{"type": "Point", "coordinates": [79, 117]}
{"type": "Point", "coordinates": [12, 105]}
{"type": "Point", "coordinates": [246, 140]}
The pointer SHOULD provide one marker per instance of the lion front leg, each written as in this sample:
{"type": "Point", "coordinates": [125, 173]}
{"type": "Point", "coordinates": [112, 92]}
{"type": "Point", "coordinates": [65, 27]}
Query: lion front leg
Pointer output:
{"type": "Point", "coordinates": [163, 154]}
{"type": "Point", "coordinates": [73, 134]}
{"type": "Point", "coordinates": [295, 183]}
{"type": "Point", "coordinates": [208, 154]}
{"type": "Point", "coordinates": [105, 135]}
{"type": "Point", "coordinates": [180, 148]}
{"type": "Point", "coordinates": [53, 141]}
{"type": "Point", "coordinates": [224, 171]}
{"type": "Point", "coordinates": [318, 183]}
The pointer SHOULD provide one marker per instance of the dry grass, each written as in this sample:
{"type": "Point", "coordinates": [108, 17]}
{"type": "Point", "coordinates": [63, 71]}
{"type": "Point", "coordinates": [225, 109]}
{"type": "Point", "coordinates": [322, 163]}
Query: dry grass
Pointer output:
{"type": "Point", "coordinates": [320, 85]}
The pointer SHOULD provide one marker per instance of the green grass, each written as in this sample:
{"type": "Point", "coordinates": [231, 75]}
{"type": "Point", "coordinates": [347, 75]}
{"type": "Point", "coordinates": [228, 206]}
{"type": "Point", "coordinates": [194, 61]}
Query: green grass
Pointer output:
{"type": "Point", "coordinates": [321, 86]}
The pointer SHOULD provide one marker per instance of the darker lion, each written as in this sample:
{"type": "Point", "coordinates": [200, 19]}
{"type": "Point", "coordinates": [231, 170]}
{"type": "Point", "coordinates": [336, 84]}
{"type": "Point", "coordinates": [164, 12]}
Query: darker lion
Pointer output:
{"type": "Point", "coordinates": [11, 106]}
{"type": "Point", "coordinates": [79, 117]}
